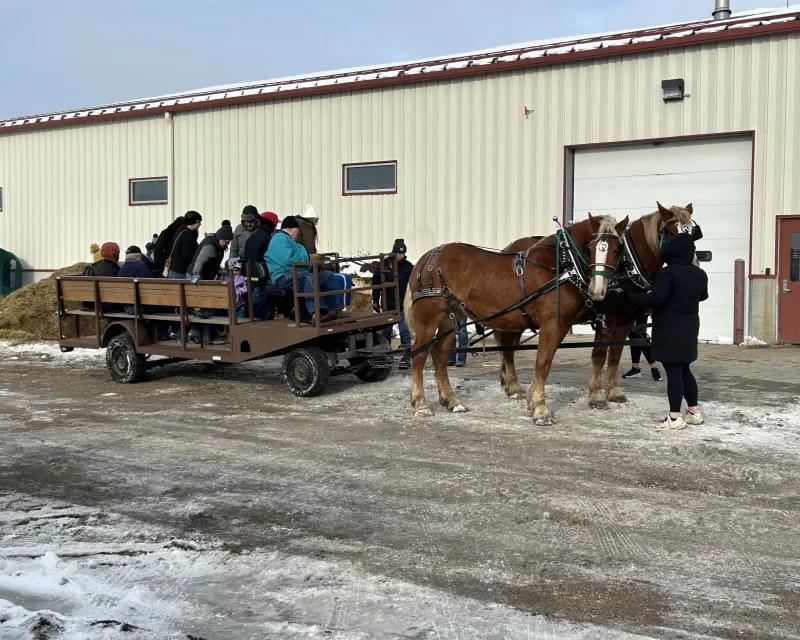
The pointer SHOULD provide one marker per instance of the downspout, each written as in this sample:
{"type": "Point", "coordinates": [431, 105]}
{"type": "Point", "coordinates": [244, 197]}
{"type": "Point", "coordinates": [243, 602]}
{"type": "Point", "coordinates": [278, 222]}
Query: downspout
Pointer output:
{"type": "Point", "coordinates": [171, 183]}
{"type": "Point", "coordinates": [722, 10]}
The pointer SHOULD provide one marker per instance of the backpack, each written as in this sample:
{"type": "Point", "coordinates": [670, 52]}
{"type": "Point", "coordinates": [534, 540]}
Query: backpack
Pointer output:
{"type": "Point", "coordinates": [164, 244]}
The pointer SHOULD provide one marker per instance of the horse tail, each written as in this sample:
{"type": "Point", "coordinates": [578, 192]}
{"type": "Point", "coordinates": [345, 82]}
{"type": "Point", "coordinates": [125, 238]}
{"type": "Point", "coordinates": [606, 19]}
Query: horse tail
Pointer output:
{"type": "Point", "coordinates": [408, 312]}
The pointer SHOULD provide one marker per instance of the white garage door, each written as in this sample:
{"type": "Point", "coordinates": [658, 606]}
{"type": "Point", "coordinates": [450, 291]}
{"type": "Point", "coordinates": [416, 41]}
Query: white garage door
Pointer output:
{"type": "Point", "coordinates": [713, 174]}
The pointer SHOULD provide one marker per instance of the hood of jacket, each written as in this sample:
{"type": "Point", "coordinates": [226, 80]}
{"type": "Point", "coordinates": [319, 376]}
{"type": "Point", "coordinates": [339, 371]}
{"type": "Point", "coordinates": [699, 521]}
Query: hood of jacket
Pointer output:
{"type": "Point", "coordinates": [679, 250]}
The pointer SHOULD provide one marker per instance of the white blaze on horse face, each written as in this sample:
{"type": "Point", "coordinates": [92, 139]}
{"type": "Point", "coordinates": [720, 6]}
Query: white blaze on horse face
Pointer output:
{"type": "Point", "coordinates": [598, 283]}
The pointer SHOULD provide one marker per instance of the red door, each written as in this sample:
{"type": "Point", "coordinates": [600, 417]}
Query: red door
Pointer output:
{"type": "Point", "coordinates": [789, 279]}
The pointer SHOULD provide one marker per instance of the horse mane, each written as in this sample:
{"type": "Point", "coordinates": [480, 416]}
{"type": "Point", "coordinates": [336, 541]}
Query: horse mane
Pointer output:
{"type": "Point", "coordinates": [652, 221]}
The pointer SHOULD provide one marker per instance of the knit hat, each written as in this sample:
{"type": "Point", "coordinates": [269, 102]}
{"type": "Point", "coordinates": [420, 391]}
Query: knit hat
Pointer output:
{"type": "Point", "coordinates": [133, 252]}
{"type": "Point", "coordinates": [289, 222]}
{"type": "Point", "coordinates": [310, 213]}
{"type": "Point", "coordinates": [224, 233]}
{"type": "Point", "coordinates": [234, 263]}
{"type": "Point", "coordinates": [191, 217]}
{"type": "Point", "coordinates": [249, 213]}
{"type": "Point", "coordinates": [399, 246]}
{"type": "Point", "coordinates": [110, 251]}
{"type": "Point", "coordinates": [226, 223]}
{"type": "Point", "coordinates": [270, 216]}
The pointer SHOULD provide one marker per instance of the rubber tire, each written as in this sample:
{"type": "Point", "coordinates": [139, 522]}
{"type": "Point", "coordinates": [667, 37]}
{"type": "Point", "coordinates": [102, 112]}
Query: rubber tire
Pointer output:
{"type": "Point", "coordinates": [124, 364]}
{"type": "Point", "coordinates": [366, 373]}
{"type": "Point", "coordinates": [306, 371]}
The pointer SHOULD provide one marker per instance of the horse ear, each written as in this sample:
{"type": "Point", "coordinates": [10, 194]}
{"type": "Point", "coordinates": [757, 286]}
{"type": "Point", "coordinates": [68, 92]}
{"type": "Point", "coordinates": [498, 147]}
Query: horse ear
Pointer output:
{"type": "Point", "coordinates": [689, 208]}
{"type": "Point", "coordinates": [665, 213]}
{"type": "Point", "coordinates": [622, 226]}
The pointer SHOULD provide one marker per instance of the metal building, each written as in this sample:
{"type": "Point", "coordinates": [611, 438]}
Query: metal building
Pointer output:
{"type": "Point", "coordinates": [483, 147]}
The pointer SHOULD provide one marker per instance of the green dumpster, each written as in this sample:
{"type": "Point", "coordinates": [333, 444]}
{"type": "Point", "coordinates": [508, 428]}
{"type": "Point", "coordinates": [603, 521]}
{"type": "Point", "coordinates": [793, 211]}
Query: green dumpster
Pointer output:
{"type": "Point", "coordinates": [10, 272]}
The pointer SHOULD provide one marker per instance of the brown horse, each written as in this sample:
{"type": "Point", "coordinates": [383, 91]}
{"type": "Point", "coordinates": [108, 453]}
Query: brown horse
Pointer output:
{"type": "Point", "coordinates": [458, 280]}
{"type": "Point", "coordinates": [646, 235]}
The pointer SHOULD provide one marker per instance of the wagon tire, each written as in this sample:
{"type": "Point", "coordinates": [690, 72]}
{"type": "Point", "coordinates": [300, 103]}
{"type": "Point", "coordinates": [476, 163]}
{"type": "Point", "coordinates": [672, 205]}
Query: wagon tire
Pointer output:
{"type": "Point", "coordinates": [366, 372]}
{"type": "Point", "coordinates": [306, 371]}
{"type": "Point", "coordinates": [124, 364]}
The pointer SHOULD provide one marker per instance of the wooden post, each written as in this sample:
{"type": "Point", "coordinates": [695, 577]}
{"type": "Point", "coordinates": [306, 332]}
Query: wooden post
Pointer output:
{"type": "Point", "coordinates": [738, 301]}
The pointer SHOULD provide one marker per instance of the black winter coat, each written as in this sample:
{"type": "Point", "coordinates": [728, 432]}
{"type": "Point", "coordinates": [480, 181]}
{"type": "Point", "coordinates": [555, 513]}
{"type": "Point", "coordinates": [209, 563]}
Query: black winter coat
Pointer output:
{"type": "Point", "coordinates": [404, 268]}
{"type": "Point", "coordinates": [105, 269]}
{"type": "Point", "coordinates": [255, 248]}
{"type": "Point", "coordinates": [183, 250]}
{"type": "Point", "coordinates": [677, 291]}
{"type": "Point", "coordinates": [207, 259]}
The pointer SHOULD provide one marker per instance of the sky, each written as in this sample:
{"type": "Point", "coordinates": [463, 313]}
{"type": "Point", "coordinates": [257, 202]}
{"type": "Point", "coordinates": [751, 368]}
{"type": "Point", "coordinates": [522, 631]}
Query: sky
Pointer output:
{"type": "Point", "coordinates": [57, 55]}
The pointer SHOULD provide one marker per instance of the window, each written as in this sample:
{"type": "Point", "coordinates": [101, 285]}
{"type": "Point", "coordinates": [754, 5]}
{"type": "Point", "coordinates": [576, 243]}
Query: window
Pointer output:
{"type": "Point", "coordinates": [369, 178]}
{"type": "Point", "coordinates": [147, 191]}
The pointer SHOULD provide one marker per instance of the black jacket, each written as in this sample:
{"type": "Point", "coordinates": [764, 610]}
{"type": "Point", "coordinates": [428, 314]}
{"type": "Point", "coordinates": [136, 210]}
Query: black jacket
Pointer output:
{"type": "Point", "coordinates": [207, 259]}
{"type": "Point", "coordinates": [183, 250]}
{"type": "Point", "coordinates": [255, 247]}
{"type": "Point", "coordinates": [404, 268]}
{"type": "Point", "coordinates": [105, 269]}
{"type": "Point", "coordinates": [677, 291]}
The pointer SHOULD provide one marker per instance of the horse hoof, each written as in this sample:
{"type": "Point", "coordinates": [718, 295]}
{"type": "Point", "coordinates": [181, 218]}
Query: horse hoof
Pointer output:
{"type": "Point", "coordinates": [598, 404]}
{"type": "Point", "coordinates": [517, 395]}
{"type": "Point", "coordinates": [620, 398]}
{"type": "Point", "coordinates": [423, 413]}
{"type": "Point", "coordinates": [459, 408]}
{"type": "Point", "coordinates": [544, 421]}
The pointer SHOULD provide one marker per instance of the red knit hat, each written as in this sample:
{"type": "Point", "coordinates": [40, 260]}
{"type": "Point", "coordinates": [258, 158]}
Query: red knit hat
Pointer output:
{"type": "Point", "coordinates": [110, 251]}
{"type": "Point", "coordinates": [269, 215]}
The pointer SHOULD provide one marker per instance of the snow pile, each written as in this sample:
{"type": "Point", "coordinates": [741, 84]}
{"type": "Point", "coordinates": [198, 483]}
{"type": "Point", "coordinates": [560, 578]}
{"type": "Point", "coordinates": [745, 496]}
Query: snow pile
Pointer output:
{"type": "Point", "coordinates": [752, 341]}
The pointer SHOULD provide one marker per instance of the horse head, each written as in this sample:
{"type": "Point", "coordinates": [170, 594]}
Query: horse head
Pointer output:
{"type": "Point", "coordinates": [673, 221]}
{"type": "Point", "coordinates": [604, 252]}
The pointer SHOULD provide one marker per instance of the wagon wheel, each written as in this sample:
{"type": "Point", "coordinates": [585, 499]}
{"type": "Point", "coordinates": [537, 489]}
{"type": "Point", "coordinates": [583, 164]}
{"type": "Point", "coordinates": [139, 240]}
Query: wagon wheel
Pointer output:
{"type": "Point", "coordinates": [124, 363]}
{"type": "Point", "coordinates": [306, 371]}
{"type": "Point", "coordinates": [363, 370]}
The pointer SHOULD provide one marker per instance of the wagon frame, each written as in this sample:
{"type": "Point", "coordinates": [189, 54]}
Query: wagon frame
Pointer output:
{"type": "Point", "coordinates": [313, 349]}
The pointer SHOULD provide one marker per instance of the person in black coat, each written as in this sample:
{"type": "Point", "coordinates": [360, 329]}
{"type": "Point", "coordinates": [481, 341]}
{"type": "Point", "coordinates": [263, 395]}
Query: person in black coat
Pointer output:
{"type": "Point", "coordinates": [404, 268]}
{"type": "Point", "coordinates": [184, 246]}
{"type": "Point", "coordinates": [677, 291]}
{"type": "Point", "coordinates": [255, 249]}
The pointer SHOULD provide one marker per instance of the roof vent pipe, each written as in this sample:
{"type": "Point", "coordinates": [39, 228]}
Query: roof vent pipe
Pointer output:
{"type": "Point", "coordinates": [722, 10]}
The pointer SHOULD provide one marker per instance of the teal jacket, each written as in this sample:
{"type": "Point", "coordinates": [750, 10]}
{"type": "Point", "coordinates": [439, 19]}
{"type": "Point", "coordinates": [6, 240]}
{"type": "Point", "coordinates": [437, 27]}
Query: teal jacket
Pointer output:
{"type": "Point", "coordinates": [280, 255]}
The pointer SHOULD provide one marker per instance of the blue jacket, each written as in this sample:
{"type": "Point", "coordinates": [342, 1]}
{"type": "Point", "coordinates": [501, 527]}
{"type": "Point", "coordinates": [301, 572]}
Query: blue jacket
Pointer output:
{"type": "Point", "coordinates": [134, 269]}
{"type": "Point", "coordinates": [280, 255]}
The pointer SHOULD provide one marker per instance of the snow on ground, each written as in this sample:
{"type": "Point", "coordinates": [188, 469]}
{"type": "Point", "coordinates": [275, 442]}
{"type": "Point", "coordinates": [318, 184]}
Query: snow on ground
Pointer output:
{"type": "Point", "coordinates": [74, 569]}
{"type": "Point", "coordinates": [132, 583]}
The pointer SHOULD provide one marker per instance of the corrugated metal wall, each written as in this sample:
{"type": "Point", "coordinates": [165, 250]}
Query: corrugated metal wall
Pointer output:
{"type": "Point", "coordinates": [470, 167]}
{"type": "Point", "coordinates": [66, 188]}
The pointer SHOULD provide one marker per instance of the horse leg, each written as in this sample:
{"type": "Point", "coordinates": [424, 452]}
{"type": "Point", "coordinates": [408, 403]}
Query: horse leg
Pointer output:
{"type": "Point", "coordinates": [419, 403]}
{"type": "Point", "coordinates": [508, 372]}
{"type": "Point", "coordinates": [440, 353]}
{"type": "Point", "coordinates": [613, 391]}
{"type": "Point", "coordinates": [596, 399]}
{"type": "Point", "coordinates": [550, 338]}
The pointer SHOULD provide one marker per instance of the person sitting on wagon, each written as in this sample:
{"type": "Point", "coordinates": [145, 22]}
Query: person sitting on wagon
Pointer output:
{"type": "Point", "coordinates": [205, 266]}
{"type": "Point", "coordinates": [282, 252]}
{"type": "Point", "coordinates": [255, 250]}
{"type": "Point", "coordinates": [108, 266]}
{"type": "Point", "coordinates": [239, 283]}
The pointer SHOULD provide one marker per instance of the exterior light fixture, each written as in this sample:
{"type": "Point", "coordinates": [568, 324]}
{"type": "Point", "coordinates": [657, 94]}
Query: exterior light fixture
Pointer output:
{"type": "Point", "coordinates": [673, 89]}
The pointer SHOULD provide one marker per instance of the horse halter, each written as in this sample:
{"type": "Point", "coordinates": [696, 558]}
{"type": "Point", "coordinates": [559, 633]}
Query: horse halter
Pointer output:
{"type": "Point", "coordinates": [682, 228]}
{"type": "Point", "coordinates": [603, 269]}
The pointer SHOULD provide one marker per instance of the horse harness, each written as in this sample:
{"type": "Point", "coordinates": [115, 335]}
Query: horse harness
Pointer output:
{"type": "Point", "coordinates": [570, 267]}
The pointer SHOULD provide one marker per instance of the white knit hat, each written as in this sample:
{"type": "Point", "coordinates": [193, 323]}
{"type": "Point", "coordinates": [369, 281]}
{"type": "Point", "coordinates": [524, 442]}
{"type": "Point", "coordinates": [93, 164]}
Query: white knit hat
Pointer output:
{"type": "Point", "coordinates": [310, 213]}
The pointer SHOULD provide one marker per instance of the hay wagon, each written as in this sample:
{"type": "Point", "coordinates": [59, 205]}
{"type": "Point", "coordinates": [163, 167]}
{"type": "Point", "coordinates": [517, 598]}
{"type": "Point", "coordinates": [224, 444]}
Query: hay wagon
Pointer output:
{"type": "Point", "coordinates": [127, 315]}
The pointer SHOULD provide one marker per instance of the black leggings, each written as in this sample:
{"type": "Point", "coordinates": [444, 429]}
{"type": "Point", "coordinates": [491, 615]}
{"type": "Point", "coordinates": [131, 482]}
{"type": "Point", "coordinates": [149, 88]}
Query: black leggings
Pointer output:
{"type": "Point", "coordinates": [636, 352]}
{"type": "Point", "coordinates": [680, 384]}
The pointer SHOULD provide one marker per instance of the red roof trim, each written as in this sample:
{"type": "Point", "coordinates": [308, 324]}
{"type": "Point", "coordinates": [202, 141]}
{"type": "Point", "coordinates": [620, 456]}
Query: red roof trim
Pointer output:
{"type": "Point", "coordinates": [476, 64]}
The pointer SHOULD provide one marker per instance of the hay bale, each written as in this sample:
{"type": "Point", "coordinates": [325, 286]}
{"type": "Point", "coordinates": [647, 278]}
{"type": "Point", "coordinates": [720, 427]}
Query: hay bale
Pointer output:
{"type": "Point", "coordinates": [32, 309]}
{"type": "Point", "coordinates": [362, 300]}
